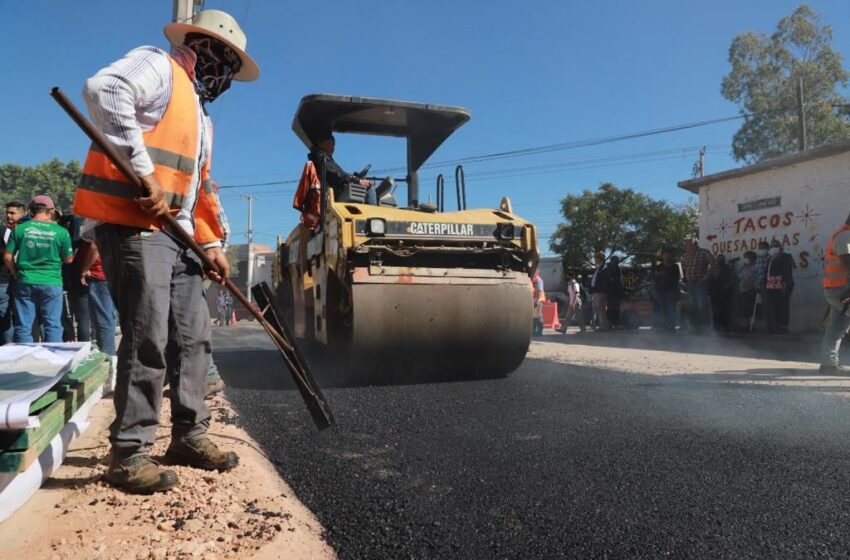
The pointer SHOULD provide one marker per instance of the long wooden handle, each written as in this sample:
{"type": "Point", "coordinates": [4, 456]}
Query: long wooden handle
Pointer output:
{"type": "Point", "coordinates": [168, 220]}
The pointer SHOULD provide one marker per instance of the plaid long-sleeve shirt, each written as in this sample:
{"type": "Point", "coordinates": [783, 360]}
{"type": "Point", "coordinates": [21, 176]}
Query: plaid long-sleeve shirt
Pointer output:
{"type": "Point", "coordinates": [696, 266]}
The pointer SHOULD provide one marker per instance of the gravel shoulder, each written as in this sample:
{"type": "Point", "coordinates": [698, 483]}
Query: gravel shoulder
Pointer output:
{"type": "Point", "coordinates": [249, 512]}
{"type": "Point", "coordinates": [723, 360]}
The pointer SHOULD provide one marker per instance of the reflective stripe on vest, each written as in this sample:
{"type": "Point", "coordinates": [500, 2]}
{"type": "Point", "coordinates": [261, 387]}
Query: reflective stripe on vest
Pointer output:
{"type": "Point", "coordinates": [834, 271]}
{"type": "Point", "coordinates": [119, 189]}
{"type": "Point", "coordinates": [163, 157]}
{"type": "Point", "coordinates": [105, 194]}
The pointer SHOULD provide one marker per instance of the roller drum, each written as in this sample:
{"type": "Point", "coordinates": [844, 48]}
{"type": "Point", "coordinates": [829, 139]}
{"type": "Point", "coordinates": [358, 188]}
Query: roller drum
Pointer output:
{"type": "Point", "coordinates": [447, 330]}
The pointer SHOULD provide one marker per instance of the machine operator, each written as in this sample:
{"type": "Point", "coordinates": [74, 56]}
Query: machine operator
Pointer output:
{"type": "Point", "coordinates": [322, 157]}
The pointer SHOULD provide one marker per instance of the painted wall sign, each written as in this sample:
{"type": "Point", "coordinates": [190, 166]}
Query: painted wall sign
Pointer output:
{"type": "Point", "coordinates": [760, 204]}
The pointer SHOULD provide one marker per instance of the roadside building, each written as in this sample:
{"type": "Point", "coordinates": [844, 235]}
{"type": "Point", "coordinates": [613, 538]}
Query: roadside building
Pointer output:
{"type": "Point", "coordinates": [798, 200]}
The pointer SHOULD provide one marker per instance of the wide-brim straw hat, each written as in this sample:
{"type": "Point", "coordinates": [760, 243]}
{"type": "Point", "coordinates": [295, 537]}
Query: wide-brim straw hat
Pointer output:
{"type": "Point", "coordinates": [219, 25]}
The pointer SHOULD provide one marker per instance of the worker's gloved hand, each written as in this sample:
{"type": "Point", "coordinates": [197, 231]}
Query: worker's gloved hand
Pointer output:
{"type": "Point", "coordinates": [845, 296]}
{"type": "Point", "coordinates": [365, 183]}
{"type": "Point", "coordinates": [217, 256]}
{"type": "Point", "coordinates": [154, 203]}
{"type": "Point", "coordinates": [759, 299]}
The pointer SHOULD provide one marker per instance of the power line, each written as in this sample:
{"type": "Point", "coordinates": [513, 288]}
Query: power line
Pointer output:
{"type": "Point", "coordinates": [536, 149]}
{"type": "Point", "coordinates": [542, 169]}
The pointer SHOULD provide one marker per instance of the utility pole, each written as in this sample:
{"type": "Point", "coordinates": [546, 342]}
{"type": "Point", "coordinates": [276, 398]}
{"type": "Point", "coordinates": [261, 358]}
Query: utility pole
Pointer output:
{"type": "Point", "coordinates": [250, 277]}
{"type": "Point", "coordinates": [184, 10]}
{"type": "Point", "coordinates": [698, 169]}
{"type": "Point", "coordinates": [801, 114]}
{"type": "Point", "coordinates": [702, 161]}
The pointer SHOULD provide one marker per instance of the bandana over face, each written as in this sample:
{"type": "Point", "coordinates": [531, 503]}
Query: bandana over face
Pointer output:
{"type": "Point", "coordinates": [217, 64]}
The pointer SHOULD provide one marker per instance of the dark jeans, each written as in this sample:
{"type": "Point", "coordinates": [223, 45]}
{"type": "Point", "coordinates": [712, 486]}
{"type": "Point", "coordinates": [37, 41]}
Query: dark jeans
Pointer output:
{"type": "Point", "coordinates": [6, 329]}
{"type": "Point", "coordinates": [667, 310]}
{"type": "Point", "coordinates": [698, 306]}
{"type": "Point", "coordinates": [102, 312]}
{"type": "Point", "coordinates": [36, 301]}
{"type": "Point", "coordinates": [720, 309]}
{"type": "Point", "coordinates": [614, 304]}
{"type": "Point", "coordinates": [746, 305]}
{"type": "Point", "coordinates": [157, 287]}
{"type": "Point", "coordinates": [777, 312]}
{"type": "Point", "coordinates": [78, 300]}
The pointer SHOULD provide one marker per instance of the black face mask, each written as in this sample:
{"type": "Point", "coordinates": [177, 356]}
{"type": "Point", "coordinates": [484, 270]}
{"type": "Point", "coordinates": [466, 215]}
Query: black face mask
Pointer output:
{"type": "Point", "coordinates": [216, 65]}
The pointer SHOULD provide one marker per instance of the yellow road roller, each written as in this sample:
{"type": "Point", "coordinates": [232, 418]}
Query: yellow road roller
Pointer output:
{"type": "Point", "coordinates": [394, 291]}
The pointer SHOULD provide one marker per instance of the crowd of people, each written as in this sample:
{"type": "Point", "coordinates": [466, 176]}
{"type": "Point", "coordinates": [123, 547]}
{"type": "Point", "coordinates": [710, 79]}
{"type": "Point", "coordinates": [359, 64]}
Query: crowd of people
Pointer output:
{"type": "Point", "coordinates": [740, 294]}
{"type": "Point", "coordinates": [699, 292]}
{"type": "Point", "coordinates": [52, 286]}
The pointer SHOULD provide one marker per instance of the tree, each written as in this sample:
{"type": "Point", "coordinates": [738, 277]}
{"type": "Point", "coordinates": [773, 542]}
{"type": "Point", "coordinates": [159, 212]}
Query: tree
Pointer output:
{"type": "Point", "coordinates": [622, 221]}
{"type": "Point", "coordinates": [763, 82]}
{"type": "Point", "coordinates": [53, 178]}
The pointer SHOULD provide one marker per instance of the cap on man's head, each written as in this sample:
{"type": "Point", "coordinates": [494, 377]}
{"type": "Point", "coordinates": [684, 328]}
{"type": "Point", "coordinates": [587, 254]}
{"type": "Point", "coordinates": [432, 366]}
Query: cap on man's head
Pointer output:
{"type": "Point", "coordinates": [44, 200]}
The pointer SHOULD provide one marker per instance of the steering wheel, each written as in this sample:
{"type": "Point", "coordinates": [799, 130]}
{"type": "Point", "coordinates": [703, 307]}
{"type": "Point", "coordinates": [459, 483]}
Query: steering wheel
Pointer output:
{"type": "Point", "coordinates": [363, 173]}
{"type": "Point", "coordinates": [388, 185]}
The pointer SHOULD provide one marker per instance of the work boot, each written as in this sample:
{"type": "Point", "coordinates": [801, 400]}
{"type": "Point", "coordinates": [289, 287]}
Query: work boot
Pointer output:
{"type": "Point", "coordinates": [140, 475]}
{"type": "Point", "coordinates": [201, 453]}
{"type": "Point", "coordinates": [214, 386]}
{"type": "Point", "coordinates": [832, 369]}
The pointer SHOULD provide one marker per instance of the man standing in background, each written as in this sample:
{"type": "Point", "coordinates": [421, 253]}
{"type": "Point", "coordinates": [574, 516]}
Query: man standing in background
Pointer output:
{"type": "Point", "coordinates": [14, 212]}
{"type": "Point", "coordinates": [539, 297]}
{"type": "Point", "coordinates": [616, 291]}
{"type": "Point", "coordinates": [101, 308]}
{"type": "Point", "coordinates": [599, 293]}
{"type": "Point", "coordinates": [34, 255]}
{"type": "Point", "coordinates": [696, 265]}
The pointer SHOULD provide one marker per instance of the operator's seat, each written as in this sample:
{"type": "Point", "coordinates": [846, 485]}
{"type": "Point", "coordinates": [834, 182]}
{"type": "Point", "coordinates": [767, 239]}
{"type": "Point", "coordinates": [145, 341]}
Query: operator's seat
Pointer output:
{"type": "Point", "coordinates": [352, 192]}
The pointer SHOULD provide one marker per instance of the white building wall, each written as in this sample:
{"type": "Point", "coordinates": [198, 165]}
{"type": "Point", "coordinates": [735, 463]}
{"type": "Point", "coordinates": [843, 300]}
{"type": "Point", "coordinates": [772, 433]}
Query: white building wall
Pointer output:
{"type": "Point", "coordinates": [814, 199]}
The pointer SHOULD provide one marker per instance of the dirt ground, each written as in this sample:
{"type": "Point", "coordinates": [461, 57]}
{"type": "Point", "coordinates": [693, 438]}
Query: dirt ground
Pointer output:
{"type": "Point", "coordinates": [704, 357]}
{"type": "Point", "coordinates": [245, 513]}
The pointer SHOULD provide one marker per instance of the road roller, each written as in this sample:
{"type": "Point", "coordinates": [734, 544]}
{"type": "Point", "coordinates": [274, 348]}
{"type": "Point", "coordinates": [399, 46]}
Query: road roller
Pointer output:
{"type": "Point", "coordinates": [405, 288]}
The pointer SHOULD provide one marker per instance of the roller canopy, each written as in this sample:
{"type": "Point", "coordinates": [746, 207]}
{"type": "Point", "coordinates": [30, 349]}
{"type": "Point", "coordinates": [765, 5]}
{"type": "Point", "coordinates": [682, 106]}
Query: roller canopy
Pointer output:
{"type": "Point", "coordinates": [425, 126]}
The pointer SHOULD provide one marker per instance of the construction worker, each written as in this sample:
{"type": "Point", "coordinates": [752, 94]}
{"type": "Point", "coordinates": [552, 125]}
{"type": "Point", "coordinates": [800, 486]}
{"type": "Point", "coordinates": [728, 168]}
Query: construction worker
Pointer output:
{"type": "Point", "coordinates": [836, 288]}
{"type": "Point", "coordinates": [151, 106]}
{"type": "Point", "coordinates": [322, 156]}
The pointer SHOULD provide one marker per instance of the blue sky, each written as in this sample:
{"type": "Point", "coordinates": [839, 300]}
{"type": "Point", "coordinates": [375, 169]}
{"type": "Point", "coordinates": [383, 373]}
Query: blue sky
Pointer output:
{"type": "Point", "coordinates": [532, 73]}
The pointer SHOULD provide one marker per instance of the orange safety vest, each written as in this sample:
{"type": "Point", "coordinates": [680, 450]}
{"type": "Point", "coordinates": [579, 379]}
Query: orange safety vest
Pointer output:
{"type": "Point", "coordinates": [834, 271]}
{"type": "Point", "coordinates": [308, 197]}
{"type": "Point", "coordinates": [105, 194]}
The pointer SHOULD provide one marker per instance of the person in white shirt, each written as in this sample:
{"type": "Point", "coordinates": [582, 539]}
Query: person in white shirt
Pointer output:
{"type": "Point", "coordinates": [574, 309]}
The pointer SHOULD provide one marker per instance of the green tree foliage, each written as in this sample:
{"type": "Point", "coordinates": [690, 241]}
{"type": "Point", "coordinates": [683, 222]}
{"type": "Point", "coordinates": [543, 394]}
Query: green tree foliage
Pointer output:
{"type": "Point", "coordinates": [763, 82]}
{"type": "Point", "coordinates": [53, 178]}
{"type": "Point", "coordinates": [622, 221]}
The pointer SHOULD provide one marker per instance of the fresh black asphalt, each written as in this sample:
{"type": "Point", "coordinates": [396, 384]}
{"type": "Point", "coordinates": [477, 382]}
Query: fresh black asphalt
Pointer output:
{"type": "Point", "coordinates": [556, 461]}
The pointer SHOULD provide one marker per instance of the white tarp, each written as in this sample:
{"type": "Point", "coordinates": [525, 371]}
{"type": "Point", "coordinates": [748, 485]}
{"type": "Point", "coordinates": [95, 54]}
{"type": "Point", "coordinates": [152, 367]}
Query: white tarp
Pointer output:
{"type": "Point", "coordinates": [17, 488]}
{"type": "Point", "coordinates": [27, 371]}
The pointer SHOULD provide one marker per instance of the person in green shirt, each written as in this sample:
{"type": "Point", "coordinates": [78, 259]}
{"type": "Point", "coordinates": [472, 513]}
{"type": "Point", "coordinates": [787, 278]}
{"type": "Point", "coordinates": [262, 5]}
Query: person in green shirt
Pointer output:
{"type": "Point", "coordinates": [34, 256]}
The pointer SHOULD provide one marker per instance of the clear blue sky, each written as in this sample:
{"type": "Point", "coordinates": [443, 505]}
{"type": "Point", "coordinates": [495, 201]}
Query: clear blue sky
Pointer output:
{"type": "Point", "coordinates": [532, 73]}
